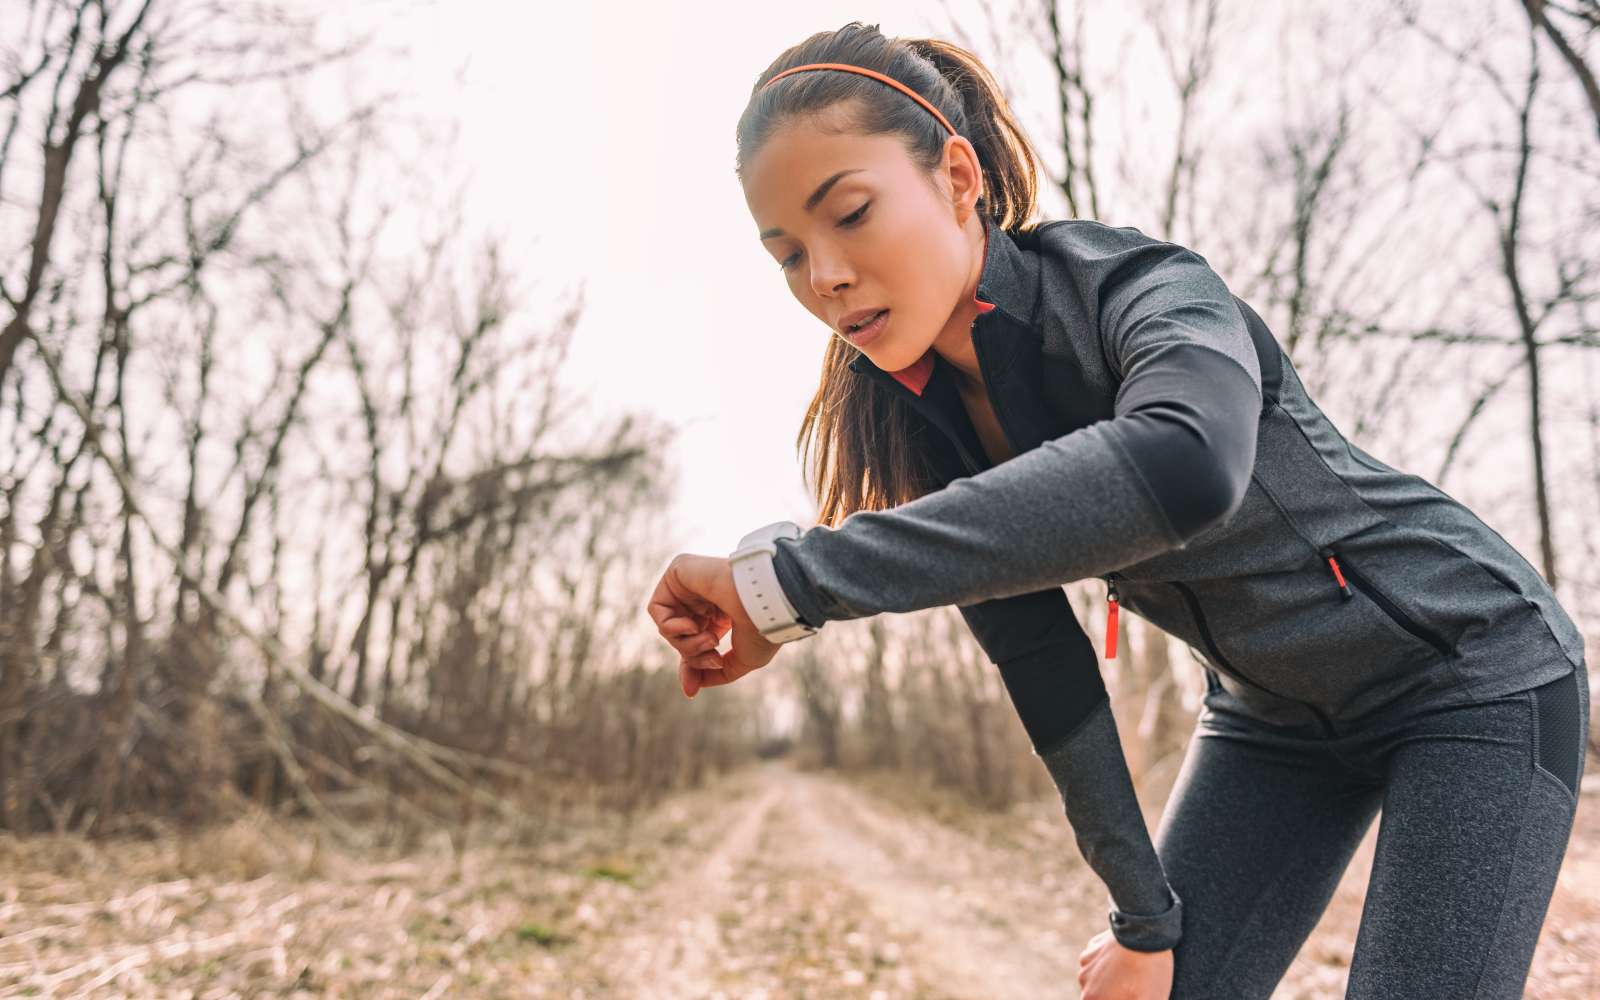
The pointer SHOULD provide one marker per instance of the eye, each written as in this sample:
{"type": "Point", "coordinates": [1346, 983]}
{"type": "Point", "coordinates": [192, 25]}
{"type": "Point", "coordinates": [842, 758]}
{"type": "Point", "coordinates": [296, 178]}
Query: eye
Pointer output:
{"type": "Point", "coordinates": [848, 220]}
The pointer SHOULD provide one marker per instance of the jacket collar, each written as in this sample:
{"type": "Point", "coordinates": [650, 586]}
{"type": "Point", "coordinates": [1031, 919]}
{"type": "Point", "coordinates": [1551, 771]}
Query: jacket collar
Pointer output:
{"type": "Point", "coordinates": [1010, 276]}
{"type": "Point", "coordinates": [1008, 286]}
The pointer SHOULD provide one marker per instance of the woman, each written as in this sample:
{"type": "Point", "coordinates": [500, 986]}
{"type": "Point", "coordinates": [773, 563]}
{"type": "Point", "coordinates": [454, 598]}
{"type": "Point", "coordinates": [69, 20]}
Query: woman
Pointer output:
{"type": "Point", "coordinates": [1005, 408]}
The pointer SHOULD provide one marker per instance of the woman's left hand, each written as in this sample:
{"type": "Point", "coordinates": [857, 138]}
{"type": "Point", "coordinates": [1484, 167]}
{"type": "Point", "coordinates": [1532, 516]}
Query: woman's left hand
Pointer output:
{"type": "Point", "coordinates": [694, 605]}
{"type": "Point", "coordinates": [1108, 971]}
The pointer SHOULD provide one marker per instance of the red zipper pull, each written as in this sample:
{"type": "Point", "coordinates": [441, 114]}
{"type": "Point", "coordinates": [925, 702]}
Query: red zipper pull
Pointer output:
{"type": "Point", "coordinates": [1111, 619]}
{"type": "Point", "coordinates": [1344, 588]}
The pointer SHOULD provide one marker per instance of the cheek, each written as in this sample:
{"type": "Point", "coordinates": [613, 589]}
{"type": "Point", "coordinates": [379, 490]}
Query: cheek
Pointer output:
{"type": "Point", "coordinates": [931, 277]}
{"type": "Point", "coordinates": [924, 285]}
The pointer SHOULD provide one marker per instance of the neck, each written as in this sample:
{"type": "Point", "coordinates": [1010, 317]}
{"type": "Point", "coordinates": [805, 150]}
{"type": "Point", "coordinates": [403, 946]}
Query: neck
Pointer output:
{"type": "Point", "coordinates": [954, 342]}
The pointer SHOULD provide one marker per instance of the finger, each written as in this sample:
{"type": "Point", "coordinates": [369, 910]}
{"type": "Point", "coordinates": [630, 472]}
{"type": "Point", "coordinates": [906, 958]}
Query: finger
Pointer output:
{"type": "Point", "coordinates": [688, 679]}
{"type": "Point", "coordinates": [672, 592]}
{"type": "Point", "coordinates": [732, 667]}
{"type": "Point", "coordinates": [718, 623]}
{"type": "Point", "coordinates": [683, 617]}
{"type": "Point", "coordinates": [693, 645]}
{"type": "Point", "coordinates": [679, 623]}
{"type": "Point", "coordinates": [716, 668]}
{"type": "Point", "coordinates": [708, 669]}
{"type": "Point", "coordinates": [674, 619]}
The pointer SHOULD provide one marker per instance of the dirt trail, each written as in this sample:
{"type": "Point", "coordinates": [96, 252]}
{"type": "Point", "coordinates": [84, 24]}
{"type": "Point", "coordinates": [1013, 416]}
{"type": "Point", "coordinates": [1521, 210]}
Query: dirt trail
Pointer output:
{"type": "Point", "coordinates": [811, 886]}
{"type": "Point", "coordinates": [802, 882]}
{"type": "Point", "coordinates": [769, 883]}
{"type": "Point", "coordinates": [980, 924]}
{"type": "Point", "coordinates": [672, 947]}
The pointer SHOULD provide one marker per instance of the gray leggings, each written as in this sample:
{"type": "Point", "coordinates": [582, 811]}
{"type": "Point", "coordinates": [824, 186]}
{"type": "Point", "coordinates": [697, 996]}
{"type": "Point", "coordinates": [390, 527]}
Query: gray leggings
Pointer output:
{"type": "Point", "coordinates": [1478, 803]}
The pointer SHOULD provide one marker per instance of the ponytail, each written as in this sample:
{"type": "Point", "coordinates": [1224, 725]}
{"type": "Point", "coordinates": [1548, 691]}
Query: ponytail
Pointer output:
{"type": "Point", "coordinates": [1010, 166]}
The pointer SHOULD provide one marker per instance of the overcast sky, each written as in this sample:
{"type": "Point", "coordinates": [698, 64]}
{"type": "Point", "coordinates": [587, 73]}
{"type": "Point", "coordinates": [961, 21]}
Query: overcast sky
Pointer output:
{"type": "Point", "coordinates": [600, 137]}
{"type": "Point", "coordinates": [600, 140]}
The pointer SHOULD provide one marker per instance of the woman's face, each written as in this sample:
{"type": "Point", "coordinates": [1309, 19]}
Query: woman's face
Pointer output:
{"type": "Point", "coordinates": [857, 227]}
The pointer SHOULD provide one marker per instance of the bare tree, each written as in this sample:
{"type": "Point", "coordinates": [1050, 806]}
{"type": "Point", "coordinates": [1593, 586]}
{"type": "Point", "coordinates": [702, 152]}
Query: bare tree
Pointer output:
{"type": "Point", "coordinates": [1555, 20]}
{"type": "Point", "coordinates": [263, 469]}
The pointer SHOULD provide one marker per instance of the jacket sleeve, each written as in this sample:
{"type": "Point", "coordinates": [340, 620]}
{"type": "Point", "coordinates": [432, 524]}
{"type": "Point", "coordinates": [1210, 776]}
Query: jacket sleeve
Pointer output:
{"type": "Point", "coordinates": [1052, 675]}
{"type": "Point", "coordinates": [1173, 461]}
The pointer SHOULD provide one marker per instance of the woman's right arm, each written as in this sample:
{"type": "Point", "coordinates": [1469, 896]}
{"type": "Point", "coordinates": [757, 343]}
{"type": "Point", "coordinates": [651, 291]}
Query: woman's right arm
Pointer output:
{"type": "Point", "coordinates": [1052, 674]}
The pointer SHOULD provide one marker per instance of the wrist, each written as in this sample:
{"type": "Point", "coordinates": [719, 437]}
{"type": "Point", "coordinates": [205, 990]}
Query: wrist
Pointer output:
{"type": "Point", "coordinates": [757, 585]}
{"type": "Point", "coordinates": [1149, 931]}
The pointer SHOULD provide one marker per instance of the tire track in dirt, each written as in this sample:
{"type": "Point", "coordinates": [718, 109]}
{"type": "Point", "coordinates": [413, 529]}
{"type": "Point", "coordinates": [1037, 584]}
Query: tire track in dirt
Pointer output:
{"type": "Point", "coordinates": [672, 948]}
{"type": "Point", "coordinates": [800, 884]}
{"type": "Point", "coordinates": [980, 921]}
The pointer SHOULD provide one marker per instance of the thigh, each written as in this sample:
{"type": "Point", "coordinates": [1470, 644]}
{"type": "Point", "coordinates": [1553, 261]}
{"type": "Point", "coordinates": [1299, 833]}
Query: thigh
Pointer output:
{"type": "Point", "coordinates": [1476, 818]}
{"type": "Point", "coordinates": [1254, 838]}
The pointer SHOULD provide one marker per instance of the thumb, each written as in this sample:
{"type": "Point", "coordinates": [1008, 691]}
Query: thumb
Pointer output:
{"type": "Point", "coordinates": [750, 649]}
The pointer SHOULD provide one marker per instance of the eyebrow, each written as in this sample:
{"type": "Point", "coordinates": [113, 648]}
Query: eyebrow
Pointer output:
{"type": "Point", "coordinates": [816, 198]}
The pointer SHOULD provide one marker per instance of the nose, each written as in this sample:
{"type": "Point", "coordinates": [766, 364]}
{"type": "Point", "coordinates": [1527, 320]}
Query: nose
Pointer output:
{"type": "Point", "coordinates": [829, 275]}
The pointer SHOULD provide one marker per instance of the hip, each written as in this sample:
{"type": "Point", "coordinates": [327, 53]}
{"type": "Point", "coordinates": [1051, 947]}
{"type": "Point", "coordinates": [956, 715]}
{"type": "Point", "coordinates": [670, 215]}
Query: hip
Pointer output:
{"type": "Point", "coordinates": [1544, 709]}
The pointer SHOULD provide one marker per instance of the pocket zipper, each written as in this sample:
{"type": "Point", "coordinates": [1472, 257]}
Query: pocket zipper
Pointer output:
{"type": "Point", "coordinates": [1205, 634]}
{"type": "Point", "coordinates": [1113, 599]}
{"type": "Point", "coordinates": [1387, 606]}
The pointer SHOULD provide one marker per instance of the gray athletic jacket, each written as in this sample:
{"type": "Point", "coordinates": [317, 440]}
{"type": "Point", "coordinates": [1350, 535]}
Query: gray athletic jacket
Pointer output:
{"type": "Point", "coordinates": [1164, 444]}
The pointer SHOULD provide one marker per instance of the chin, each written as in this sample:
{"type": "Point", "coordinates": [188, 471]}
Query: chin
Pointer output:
{"type": "Point", "coordinates": [888, 360]}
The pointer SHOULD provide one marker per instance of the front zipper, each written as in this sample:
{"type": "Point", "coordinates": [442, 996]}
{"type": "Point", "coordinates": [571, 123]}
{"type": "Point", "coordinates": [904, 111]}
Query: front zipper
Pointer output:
{"type": "Point", "coordinates": [1211, 646]}
{"type": "Point", "coordinates": [988, 386]}
{"type": "Point", "coordinates": [938, 419]}
{"type": "Point", "coordinates": [934, 416]}
{"type": "Point", "coordinates": [1387, 606]}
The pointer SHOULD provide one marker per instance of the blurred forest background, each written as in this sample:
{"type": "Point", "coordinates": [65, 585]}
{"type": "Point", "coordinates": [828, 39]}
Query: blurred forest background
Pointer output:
{"type": "Point", "coordinates": [301, 527]}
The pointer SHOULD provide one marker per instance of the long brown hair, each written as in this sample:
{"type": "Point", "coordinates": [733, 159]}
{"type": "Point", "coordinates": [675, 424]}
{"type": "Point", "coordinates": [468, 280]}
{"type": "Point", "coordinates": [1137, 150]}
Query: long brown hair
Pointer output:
{"type": "Point", "coordinates": [864, 448]}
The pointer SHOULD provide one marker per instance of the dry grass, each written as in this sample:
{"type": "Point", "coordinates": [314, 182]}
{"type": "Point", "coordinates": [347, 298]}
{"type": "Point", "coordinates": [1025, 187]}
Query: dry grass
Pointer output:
{"type": "Point", "coordinates": [766, 883]}
{"type": "Point", "coordinates": [273, 909]}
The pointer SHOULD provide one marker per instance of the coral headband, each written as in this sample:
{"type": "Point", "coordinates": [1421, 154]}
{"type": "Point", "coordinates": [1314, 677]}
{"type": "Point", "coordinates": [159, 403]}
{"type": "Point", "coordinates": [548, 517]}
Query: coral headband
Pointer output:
{"type": "Point", "coordinates": [848, 68]}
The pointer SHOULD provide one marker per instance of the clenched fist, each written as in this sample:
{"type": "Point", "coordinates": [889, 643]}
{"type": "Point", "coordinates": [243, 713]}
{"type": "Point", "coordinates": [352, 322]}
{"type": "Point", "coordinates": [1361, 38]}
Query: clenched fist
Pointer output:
{"type": "Point", "coordinates": [694, 605]}
{"type": "Point", "coordinates": [1108, 971]}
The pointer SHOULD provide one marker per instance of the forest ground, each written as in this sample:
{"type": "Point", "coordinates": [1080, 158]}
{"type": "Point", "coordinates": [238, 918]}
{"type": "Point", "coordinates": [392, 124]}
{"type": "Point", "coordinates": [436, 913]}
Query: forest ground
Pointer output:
{"type": "Point", "coordinates": [769, 882]}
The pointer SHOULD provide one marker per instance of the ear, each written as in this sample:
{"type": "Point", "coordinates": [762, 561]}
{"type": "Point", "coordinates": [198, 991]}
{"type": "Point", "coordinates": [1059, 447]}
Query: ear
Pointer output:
{"type": "Point", "coordinates": [965, 175]}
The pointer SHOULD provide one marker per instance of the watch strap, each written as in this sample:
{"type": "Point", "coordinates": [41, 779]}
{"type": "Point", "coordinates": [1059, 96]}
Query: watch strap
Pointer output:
{"type": "Point", "coordinates": [757, 583]}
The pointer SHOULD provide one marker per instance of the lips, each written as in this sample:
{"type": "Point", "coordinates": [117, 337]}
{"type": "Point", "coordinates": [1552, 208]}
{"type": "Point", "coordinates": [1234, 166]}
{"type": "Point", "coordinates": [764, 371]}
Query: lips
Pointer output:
{"type": "Point", "coordinates": [857, 318]}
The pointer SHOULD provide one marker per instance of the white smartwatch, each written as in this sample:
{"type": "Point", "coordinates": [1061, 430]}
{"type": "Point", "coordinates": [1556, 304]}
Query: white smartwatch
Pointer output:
{"type": "Point", "coordinates": [764, 600]}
